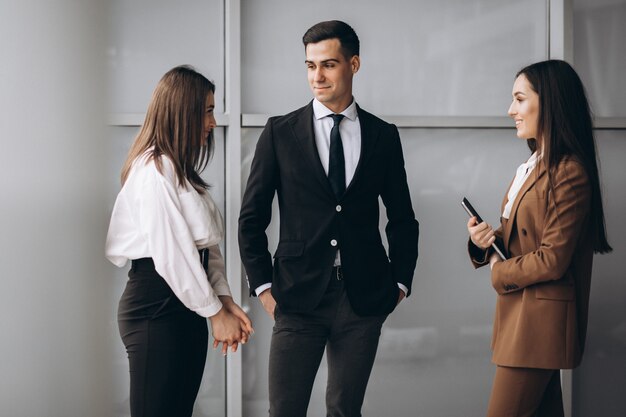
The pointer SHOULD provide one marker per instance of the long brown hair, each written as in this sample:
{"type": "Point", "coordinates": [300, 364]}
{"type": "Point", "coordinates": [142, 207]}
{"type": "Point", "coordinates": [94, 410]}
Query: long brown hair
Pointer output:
{"type": "Point", "coordinates": [174, 127]}
{"type": "Point", "coordinates": [566, 129]}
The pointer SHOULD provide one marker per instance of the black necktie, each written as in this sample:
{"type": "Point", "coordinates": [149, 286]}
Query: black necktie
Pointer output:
{"type": "Point", "coordinates": [336, 163]}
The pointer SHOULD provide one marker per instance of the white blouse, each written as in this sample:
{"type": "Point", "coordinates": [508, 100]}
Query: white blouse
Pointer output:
{"type": "Point", "coordinates": [154, 217]}
{"type": "Point", "coordinates": [521, 175]}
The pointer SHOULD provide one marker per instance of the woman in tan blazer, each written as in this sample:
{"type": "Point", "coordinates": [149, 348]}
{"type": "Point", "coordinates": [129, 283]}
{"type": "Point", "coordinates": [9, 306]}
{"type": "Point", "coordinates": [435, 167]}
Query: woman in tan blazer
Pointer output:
{"type": "Point", "coordinates": [552, 223]}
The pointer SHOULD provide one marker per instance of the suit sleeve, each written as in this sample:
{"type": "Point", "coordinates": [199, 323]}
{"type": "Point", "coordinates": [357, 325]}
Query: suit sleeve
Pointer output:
{"type": "Point", "coordinates": [256, 212]}
{"type": "Point", "coordinates": [568, 207]}
{"type": "Point", "coordinates": [402, 229]}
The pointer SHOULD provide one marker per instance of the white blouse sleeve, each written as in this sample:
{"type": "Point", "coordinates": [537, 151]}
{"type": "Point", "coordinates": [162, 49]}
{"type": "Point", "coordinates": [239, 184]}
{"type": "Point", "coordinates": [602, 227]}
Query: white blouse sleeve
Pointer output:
{"type": "Point", "coordinates": [217, 276]}
{"type": "Point", "coordinates": [170, 241]}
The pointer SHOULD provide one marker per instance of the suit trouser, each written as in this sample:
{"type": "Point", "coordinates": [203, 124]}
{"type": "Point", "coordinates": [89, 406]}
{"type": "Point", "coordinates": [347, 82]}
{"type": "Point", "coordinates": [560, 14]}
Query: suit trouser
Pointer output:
{"type": "Point", "coordinates": [526, 392]}
{"type": "Point", "coordinates": [166, 345]}
{"type": "Point", "coordinates": [297, 347]}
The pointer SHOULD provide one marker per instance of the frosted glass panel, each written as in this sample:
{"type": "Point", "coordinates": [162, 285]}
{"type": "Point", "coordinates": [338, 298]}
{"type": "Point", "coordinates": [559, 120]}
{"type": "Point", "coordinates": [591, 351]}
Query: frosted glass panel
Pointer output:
{"type": "Point", "coordinates": [423, 57]}
{"type": "Point", "coordinates": [599, 53]}
{"type": "Point", "coordinates": [256, 355]}
{"type": "Point", "coordinates": [147, 38]}
{"type": "Point", "coordinates": [599, 382]}
{"type": "Point", "coordinates": [437, 342]}
{"type": "Point", "coordinates": [212, 394]}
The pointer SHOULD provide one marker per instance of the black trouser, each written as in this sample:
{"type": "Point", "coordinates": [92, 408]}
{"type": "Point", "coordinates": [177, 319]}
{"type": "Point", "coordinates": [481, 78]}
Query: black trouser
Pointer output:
{"type": "Point", "coordinates": [166, 345]}
{"type": "Point", "coordinates": [298, 343]}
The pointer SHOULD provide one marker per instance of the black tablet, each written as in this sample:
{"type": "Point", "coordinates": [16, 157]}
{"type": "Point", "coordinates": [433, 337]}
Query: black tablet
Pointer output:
{"type": "Point", "coordinates": [473, 213]}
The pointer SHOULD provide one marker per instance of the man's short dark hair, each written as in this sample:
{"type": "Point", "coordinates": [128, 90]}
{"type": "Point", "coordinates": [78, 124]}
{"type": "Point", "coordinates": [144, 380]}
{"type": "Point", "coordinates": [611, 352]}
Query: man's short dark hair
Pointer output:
{"type": "Point", "coordinates": [334, 29]}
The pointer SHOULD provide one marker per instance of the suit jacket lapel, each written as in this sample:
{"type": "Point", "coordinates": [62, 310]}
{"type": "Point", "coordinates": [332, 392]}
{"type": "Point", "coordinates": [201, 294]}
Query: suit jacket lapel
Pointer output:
{"type": "Point", "coordinates": [302, 128]}
{"type": "Point", "coordinates": [530, 181]}
{"type": "Point", "coordinates": [369, 136]}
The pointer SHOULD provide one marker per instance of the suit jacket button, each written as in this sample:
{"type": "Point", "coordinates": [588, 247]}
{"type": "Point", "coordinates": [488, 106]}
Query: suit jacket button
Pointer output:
{"type": "Point", "coordinates": [338, 208]}
{"type": "Point", "coordinates": [524, 232]}
{"type": "Point", "coordinates": [333, 242]}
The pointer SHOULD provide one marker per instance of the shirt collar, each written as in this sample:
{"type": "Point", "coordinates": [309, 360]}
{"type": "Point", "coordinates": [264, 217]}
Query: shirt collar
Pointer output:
{"type": "Point", "coordinates": [532, 161]}
{"type": "Point", "coordinates": [320, 111]}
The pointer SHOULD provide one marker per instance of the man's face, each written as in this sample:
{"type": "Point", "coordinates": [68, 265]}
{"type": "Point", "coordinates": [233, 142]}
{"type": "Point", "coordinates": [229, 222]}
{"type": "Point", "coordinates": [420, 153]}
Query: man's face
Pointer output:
{"type": "Point", "coordinates": [330, 73]}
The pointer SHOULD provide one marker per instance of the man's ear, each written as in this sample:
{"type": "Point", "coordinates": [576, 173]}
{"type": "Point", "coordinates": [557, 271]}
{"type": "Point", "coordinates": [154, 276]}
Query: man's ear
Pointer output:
{"type": "Point", "coordinates": [355, 63]}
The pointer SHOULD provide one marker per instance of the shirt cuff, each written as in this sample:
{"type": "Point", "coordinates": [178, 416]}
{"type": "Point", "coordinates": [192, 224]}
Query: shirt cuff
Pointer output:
{"type": "Point", "coordinates": [210, 310]}
{"type": "Point", "coordinates": [403, 288]}
{"type": "Point", "coordinates": [262, 288]}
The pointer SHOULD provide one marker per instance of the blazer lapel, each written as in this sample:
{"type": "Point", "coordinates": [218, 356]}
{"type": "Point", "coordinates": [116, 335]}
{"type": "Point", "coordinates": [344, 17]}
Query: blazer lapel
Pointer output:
{"type": "Point", "coordinates": [302, 128]}
{"type": "Point", "coordinates": [369, 136]}
{"type": "Point", "coordinates": [530, 181]}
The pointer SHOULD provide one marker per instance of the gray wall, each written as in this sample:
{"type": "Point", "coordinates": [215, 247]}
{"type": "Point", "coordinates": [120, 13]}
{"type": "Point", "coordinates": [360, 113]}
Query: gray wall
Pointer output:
{"type": "Point", "coordinates": [54, 354]}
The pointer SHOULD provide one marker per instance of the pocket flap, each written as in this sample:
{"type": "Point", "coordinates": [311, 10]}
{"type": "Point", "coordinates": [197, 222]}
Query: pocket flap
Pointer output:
{"type": "Point", "coordinates": [289, 248]}
{"type": "Point", "coordinates": [555, 292]}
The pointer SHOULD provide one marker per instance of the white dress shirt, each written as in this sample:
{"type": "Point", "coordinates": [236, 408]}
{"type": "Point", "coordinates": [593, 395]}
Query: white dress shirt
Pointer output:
{"type": "Point", "coordinates": [350, 131]}
{"type": "Point", "coordinates": [522, 174]}
{"type": "Point", "coordinates": [154, 217]}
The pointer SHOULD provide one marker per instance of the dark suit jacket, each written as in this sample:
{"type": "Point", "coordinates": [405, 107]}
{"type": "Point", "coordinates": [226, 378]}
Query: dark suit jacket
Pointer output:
{"type": "Point", "coordinates": [543, 288]}
{"type": "Point", "coordinates": [314, 224]}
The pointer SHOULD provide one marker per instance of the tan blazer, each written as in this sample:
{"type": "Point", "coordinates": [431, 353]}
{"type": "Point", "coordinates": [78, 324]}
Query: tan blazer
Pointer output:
{"type": "Point", "coordinates": [543, 286]}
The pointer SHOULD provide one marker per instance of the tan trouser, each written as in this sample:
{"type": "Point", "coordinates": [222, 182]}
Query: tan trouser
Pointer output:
{"type": "Point", "coordinates": [526, 392]}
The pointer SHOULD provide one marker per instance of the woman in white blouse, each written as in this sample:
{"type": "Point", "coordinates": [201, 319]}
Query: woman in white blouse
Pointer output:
{"type": "Point", "coordinates": [165, 222]}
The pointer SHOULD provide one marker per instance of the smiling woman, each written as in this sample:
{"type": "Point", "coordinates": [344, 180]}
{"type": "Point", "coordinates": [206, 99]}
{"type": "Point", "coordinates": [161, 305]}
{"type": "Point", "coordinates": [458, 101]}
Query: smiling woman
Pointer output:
{"type": "Point", "coordinates": [525, 108]}
{"type": "Point", "coordinates": [552, 224]}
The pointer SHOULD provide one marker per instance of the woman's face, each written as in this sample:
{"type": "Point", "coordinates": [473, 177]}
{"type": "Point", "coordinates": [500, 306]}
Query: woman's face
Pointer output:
{"type": "Point", "coordinates": [525, 109]}
{"type": "Point", "coordinates": [209, 117]}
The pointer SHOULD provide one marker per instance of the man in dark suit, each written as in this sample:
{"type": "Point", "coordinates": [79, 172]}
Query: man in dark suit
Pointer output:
{"type": "Point", "coordinates": [332, 284]}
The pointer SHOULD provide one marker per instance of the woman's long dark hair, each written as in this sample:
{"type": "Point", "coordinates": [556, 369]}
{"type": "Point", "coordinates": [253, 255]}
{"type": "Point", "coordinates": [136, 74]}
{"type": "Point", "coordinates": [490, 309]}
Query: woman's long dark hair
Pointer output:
{"type": "Point", "coordinates": [174, 126]}
{"type": "Point", "coordinates": [566, 129]}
